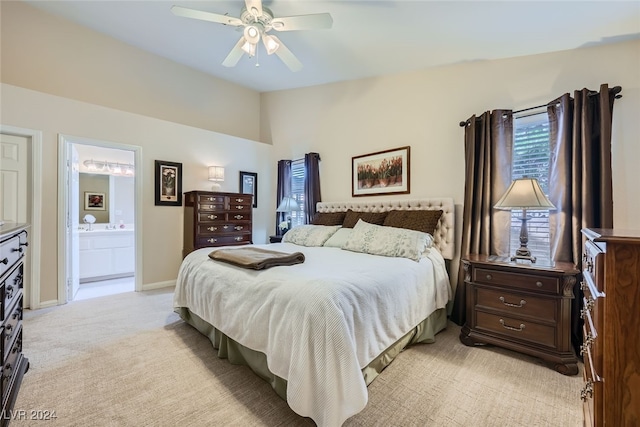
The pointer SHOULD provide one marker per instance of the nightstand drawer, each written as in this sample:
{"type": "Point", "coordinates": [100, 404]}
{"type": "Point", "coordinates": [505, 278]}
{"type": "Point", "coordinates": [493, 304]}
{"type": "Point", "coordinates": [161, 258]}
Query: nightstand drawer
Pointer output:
{"type": "Point", "coordinates": [520, 329]}
{"type": "Point", "coordinates": [516, 280]}
{"type": "Point", "coordinates": [515, 304]}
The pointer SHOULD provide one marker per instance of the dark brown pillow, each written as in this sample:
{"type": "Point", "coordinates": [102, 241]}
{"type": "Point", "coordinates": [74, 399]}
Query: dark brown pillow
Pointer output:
{"type": "Point", "coordinates": [425, 221]}
{"type": "Point", "coordinates": [352, 218]}
{"type": "Point", "coordinates": [329, 218]}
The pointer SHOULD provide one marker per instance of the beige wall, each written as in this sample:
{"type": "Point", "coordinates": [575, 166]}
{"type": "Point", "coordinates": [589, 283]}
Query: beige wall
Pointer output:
{"type": "Point", "coordinates": [423, 110]}
{"type": "Point", "coordinates": [160, 140]}
{"type": "Point", "coordinates": [51, 55]}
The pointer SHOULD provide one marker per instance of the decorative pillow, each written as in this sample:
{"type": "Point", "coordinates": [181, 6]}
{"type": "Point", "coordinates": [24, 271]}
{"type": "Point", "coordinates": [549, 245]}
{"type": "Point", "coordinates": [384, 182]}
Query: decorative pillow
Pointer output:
{"type": "Point", "coordinates": [388, 241]}
{"type": "Point", "coordinates": [310, 235]}
{"type": "Point", "coordinates": [339, 238]}
{"type": "Point", "coordinates": [352, 217]}
{"type": "Point", "coordinates": [425, 221]}
{"type": "Point", "coordinates": [329, 218]}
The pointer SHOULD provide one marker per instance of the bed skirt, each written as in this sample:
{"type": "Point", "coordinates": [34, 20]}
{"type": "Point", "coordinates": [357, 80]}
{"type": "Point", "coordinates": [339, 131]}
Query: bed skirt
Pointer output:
{"type": "Point", "coordinates": [238, 354]}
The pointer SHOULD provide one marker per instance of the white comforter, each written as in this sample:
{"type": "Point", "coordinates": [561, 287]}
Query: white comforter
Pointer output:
{"type": "Point", "coordinates": [320, 322]}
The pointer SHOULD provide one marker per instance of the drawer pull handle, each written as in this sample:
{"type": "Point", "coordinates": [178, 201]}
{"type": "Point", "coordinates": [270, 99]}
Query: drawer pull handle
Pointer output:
{"type": "Point", "coordinates": [212, 240]}
{"type": "Point", "coordinates": [239, 216]}
{"type": "Point", "coordinates": [16, 249]}
{"type": "Point", "coordinates": [211, 199]}
{"type": "Point", "coordinates": [587, 391]}
{"type": "Point", "coordinates": [239, 207]}
{"type": "Point", "coordinates": [511, 328]}
{"type": "Point", "coordinates": [489, 277]}
{"type": "Point", "coordinates": [539, 284]}
{"type": "Point", "coordinates": [212, 228]}
{"type": "Point", "coordinates": [590, 303]}
{"type": "Point", "coordinates": [589, 266]}
{"type": "Point", "coordinates": [583, 286]}
{"type": "Point", "coordinates": [239, 200]}
{"type": "Point", "coordinates": [4, 261]}
{"type": "Point", "coordinates": [508, 304]}
{"type": "Point", "coordinates": [587, 344]}
{"type": "Point", "coordinates": [238, 227]}
{"type": "Point", "coordinates": [212, 216]}
{"type": "Point", "coordinates": [238, 239]}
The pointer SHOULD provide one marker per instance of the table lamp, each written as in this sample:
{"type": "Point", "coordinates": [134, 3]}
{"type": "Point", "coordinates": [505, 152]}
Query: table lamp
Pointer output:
{"type": "Point", "coordinates": [287, 205]}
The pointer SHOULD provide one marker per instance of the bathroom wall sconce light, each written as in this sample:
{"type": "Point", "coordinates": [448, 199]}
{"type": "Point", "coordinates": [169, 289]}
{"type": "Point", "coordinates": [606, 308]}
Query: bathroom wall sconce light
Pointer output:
{"type": "Point", "coordinates": [216, 173]}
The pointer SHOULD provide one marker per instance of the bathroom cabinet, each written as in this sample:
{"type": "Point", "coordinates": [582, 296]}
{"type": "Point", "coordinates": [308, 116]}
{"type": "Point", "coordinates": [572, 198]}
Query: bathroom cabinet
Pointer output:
{"type": "Point", "coordinates": [105, 254]}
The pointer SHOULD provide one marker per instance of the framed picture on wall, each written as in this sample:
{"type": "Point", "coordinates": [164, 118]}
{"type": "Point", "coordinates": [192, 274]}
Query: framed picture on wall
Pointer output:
{"type": "Point", "coordinates": [383, 172]}
{"type": "Point", "coordinates": [168, 183]}
{"type": "Point", "coordinates": [94, 201]}
{"type": "Point", "coordinates": [249, 185]}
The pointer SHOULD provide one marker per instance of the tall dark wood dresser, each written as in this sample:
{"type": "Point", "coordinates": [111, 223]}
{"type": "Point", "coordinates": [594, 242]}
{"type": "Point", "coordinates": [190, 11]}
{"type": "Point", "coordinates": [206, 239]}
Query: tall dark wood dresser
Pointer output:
{"type": "Point", "coordinates": [13, 246]}
{"type": "Point", "coordinates": [611, 314]}
{"type": "Point", "coordinates": [216, 219]}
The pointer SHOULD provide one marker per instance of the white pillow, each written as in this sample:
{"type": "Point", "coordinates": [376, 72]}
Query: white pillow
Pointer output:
{"type": "Point", "coordinates": [388, 241]}
{"type": "Point", "coordinates": [310, 235]}
{"type": "Point", "coordinates": [339, 238]}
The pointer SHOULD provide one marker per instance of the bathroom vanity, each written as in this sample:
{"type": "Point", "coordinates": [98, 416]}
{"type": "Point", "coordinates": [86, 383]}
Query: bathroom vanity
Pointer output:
{"type": "Point", "coordinates": [106, 254]}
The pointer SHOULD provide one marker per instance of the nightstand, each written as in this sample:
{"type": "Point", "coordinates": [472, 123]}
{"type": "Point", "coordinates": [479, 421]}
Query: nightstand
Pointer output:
{"type": "Point", "coordinates": [521, 306]}
{"type": "Point", "coordinates": [275, 239]}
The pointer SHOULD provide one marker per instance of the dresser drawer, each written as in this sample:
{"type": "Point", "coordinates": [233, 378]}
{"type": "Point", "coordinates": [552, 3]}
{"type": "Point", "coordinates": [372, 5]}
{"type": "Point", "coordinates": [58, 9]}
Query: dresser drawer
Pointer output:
{"type": "Point", "coordinates": [593, 264]}
{"type": "Point", "coordinates": [11, 326]}
{"type": "Point", "coordinates": [203, 242]}
{"type": "Point", "coordinates": [212, 217]}
{"type": "Point", "coordinates": [10, 363]}
{"type": "Point", "coordinates": [240, 200]}
{"type": "Point", "coordinates": [520, 329]}
{"type": "Point", "coordinates": [223, 228]}
{"type": "Point", "coordinates": [10, 252]}
{"type": "Point", "coordinates": [516, 280]}
{"type": "Point", "coordinates": [211, 207]}
{"type": "Point", "coordinates": [210, 199]}
{"type": "Point", "coordinates": [240, 216]}
{"type": "Point", "coordinates": [515, 304]}
{"type": "Point", "coordinates": [239, 207]}
{"type": "Point", "coordinates": [10, 288]}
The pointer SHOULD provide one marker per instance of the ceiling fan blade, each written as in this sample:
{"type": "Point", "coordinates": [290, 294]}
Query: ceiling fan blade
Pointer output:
{"type": "Point", "coordinates": [205, 16]}
{"type": "Point", "coordinates": [254, 7]}
{"type": "Point", "coordinates": [318, 21]}
{"type": "Point", "coordinates": [236, 53]}
{"type": "Point", "coordinates": [287, 56]}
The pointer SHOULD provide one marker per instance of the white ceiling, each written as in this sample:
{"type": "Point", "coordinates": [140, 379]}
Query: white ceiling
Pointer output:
{"type": "Point", "coordinates": [368, 38]}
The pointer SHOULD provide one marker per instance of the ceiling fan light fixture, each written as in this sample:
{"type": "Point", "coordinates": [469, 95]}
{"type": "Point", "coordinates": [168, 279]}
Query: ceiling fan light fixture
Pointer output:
{"type": "Point", "coordinates": [270, 44]}
{"type": "Point", "coordinates": [249, 48]}
{"type": "Point", "coordinates": [252, 34]}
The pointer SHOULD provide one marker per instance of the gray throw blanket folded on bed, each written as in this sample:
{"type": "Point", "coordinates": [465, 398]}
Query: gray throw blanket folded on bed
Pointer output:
{"type": "Point", "coordinates": [256, 258]}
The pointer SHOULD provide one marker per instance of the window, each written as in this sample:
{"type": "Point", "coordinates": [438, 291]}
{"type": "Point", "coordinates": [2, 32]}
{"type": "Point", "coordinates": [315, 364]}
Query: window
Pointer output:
{"type": "Point", "coordinates": [531, 154]}
{"type": "Point", "coordinates": [297, 191]}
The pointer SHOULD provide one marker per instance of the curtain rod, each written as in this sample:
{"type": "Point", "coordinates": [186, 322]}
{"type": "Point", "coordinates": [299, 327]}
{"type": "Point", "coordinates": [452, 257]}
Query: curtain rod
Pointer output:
{"type": "Point", "coordinates": [616, 91]}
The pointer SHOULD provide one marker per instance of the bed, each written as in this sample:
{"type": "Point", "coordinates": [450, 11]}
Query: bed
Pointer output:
{"type": "Point", "coordinates": [321, 330]}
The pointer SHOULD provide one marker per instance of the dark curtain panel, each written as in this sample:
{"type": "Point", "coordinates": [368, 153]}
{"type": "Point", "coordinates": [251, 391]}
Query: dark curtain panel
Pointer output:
{"type": "Point", "coordinates": [311, 185]}
{"type": "Point", "coordinates": [283, 189]}
{"type": "Point", "coordinates": [581, 185]}
{"type": "Point", "coordinates": [488, 143]}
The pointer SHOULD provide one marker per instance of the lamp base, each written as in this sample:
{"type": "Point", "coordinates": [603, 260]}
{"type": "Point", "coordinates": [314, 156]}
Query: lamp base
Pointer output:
{"type": "Point", "coordinates": [523, 253]}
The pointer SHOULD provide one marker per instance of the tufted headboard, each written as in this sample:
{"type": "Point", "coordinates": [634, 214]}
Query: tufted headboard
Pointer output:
{"type": "Point", "coordinates": [444, 234]}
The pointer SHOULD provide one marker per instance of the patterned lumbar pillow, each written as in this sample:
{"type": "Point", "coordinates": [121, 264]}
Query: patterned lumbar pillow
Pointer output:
{"type": "Point", "coordinates": [388, 241]}
{"type": "Point", "coordinates": [310, 235]}
{"type": "Point", "coordinates": [419, 220]}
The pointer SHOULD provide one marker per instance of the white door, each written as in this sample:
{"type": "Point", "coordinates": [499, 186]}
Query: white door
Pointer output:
{"type": "Point", "coordinates": [73, 222]}
{"type": "Point", "coordinates": [14, 175]}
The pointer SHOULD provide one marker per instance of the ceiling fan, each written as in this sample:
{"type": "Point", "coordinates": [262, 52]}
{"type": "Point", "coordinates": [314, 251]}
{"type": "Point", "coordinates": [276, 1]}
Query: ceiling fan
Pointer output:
{"type": "Point", "coordinates": [256, 21]}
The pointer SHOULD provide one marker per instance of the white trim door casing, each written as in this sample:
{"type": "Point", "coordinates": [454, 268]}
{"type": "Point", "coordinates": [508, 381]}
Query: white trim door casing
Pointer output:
{"type": "Point", "coordinates": [34, 215]}
{"type": "Point", "coordinates": [64, 222]}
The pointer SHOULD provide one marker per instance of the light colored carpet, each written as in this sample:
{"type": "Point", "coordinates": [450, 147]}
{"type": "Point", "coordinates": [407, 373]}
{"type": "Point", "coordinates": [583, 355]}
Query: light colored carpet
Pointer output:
{"type": "Point", "coordinates": [128, 360]}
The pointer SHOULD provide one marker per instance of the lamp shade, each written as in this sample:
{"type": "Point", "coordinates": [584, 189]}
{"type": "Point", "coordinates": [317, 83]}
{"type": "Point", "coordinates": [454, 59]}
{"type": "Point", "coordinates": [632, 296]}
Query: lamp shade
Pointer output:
{"type": "Point", "coordinates": [216, 173]}
{"type": "Point", "coordinates": [288, 204]}
{"type": "Point", "coordinates": [524, 193]}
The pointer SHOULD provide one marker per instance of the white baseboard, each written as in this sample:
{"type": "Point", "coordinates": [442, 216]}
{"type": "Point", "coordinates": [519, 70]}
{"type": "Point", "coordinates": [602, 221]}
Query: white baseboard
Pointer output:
{"type": "Point", "coordinates": [47, 304]}
{"type": "Point", "coordinates": [158, 285]}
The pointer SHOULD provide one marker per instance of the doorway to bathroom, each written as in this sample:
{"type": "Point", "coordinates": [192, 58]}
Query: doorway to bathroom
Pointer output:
{"type": "Point", "coordinates": [101, 231]}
